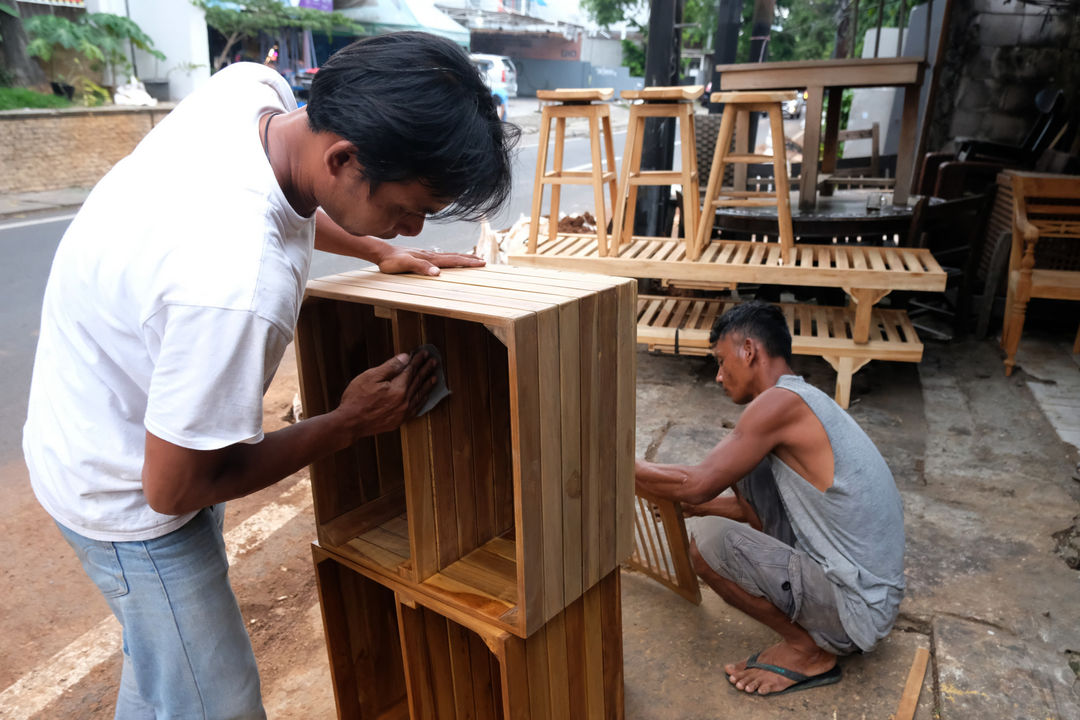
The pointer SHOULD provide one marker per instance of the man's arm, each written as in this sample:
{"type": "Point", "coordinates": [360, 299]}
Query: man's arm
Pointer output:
{"type": "Point", "coordinates": [177, 480]}
{"type": "Point", "coordinates": [760, 429]}
{"type": "Point", "coordinates": [332, 238]}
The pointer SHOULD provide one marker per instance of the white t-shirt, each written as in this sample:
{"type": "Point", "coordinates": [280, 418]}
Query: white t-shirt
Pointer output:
{"type": "Point", "coordinates": [170, 302]}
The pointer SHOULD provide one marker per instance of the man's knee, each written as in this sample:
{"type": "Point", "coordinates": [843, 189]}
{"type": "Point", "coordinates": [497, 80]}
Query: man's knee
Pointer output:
{"type": "Point", "coordinates": [701, 568]}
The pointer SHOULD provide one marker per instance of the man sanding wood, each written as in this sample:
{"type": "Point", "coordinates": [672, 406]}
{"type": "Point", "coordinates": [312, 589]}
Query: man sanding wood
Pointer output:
{"type": "Point", "coordinates": [812, 542]}
{"type": "Point", "coordinates": [170, 303]}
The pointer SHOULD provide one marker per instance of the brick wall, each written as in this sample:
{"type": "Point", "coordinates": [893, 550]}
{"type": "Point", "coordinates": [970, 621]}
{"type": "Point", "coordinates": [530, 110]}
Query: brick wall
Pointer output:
{"type": "Point", "coordinates": [72, 147]}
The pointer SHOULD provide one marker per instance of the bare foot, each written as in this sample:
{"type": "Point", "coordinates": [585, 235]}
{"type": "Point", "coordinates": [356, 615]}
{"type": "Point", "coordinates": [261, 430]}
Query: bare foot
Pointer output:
{"type": "Point", "coordinates": [764, 682]}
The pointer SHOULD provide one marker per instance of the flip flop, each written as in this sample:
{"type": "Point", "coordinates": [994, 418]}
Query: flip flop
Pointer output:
{"type": "Point", "coordinates": [802, 682]}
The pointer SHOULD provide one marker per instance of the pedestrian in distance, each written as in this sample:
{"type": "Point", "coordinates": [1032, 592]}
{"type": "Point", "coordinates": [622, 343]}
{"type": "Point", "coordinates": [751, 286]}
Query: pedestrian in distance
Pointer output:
{"type": "Point", "coordinates": [170, 303]}
{"type": "Point", "coordinates": [811, 543]}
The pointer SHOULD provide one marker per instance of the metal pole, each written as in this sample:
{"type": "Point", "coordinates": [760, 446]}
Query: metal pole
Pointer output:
{"type": "Point", "coordinates": [653, 214]}
{"type": "Point", "coordinates": [725, 42]}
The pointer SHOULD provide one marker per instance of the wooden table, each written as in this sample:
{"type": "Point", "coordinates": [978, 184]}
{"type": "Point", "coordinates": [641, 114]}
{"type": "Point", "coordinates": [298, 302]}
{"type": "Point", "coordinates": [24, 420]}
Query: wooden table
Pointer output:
{"type": "Point", "coordinates": [817, 76]}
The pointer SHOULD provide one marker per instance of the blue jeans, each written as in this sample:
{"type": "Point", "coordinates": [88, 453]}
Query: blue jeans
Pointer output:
{"type": "Point", "coordinates": [186, 651]}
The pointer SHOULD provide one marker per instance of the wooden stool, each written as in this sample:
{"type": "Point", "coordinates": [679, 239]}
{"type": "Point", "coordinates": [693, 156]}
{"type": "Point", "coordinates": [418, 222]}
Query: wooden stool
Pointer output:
{"type": "Point", "coordinates": [573, 104]}
{"type": "Point", "coordinates": [736, 104]}
{"type": "Point", "coordinates": [658, 102]}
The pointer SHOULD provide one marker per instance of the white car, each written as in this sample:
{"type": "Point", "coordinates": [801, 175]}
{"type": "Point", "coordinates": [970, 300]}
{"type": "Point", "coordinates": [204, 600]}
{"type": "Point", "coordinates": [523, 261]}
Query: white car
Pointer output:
{"type": "Point", "coordinates": [499, 73]}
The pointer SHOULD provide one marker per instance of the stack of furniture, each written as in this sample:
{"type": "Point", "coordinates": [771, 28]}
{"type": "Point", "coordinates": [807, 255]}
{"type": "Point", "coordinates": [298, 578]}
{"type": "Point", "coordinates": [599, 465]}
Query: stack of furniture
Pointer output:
{"type": "Point", "coordinates": [847, 337]}
{"type": "Point", "coordinates": [468, 563]}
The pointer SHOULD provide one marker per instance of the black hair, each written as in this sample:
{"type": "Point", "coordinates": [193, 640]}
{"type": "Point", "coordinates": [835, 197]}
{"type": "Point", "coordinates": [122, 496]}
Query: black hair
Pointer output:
{"type": "Point", "coordinates": [416, 108]}
{"type": "Point", "coordinates": [759, 320]}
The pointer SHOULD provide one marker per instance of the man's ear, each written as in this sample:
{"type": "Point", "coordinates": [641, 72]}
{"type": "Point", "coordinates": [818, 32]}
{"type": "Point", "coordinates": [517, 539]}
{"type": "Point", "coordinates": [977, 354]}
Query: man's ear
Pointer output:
{"type": "Point", "coordinates": [749, 350]}
{"type": "Point", "coordinates": [339, 156]}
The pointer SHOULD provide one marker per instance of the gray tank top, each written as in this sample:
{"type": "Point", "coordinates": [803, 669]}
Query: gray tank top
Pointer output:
{"type": "Point", "coordinates": [854, 530]}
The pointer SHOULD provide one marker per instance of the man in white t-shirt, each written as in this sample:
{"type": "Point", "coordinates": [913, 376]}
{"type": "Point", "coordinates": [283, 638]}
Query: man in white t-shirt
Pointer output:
{"type": "Point", "coordinates": [172, 298]}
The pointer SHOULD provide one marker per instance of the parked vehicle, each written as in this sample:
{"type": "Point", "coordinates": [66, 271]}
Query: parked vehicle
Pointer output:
{"type": "Point", "coordinates": [794, 108]}
{"type": "Point", "coordinates": [498, 71]}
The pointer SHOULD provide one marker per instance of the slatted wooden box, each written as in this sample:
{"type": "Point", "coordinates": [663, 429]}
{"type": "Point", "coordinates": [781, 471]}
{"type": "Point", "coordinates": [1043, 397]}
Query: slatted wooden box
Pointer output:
{"type": "Point", "coordinates": [514, 495]}
{"type": "Point", "coordinates": [393, 657]}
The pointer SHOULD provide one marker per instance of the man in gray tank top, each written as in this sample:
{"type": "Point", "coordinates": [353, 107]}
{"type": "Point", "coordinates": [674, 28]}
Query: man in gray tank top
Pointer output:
{"type": "Point", "coordinates": [812, 542]}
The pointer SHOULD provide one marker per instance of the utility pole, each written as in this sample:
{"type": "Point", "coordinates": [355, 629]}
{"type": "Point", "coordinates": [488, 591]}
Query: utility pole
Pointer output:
{"type": "Point", "coordinates": [662, 52]}
{"type": "Point", "coordinates": [759, 48]}
{"type": "Point", "coordinates": [725, 42]}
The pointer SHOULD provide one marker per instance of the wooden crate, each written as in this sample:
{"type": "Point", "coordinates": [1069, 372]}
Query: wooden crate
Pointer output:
{"type": "Point", "coordinates": [393, 656]}
{"type": "Point", "coordinates": [515, 494]}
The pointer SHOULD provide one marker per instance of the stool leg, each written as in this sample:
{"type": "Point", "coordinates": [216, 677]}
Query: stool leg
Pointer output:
{"type": "Point", "coordinates": [689, 172]}
{"type": "Point", "coordinates": [538, 186]}
{"type": "Point", "coordinates": [743, 118]}
{"type": "Point", "coordinates": [780, 182]}
{"type": "Point", "coordinates": [609, 144]}
{"type": "Point", "coordinates": [618, 215]}
{"type": "Point", "coordinates": [633, 167]}
{"type": "Point", "coordinates": [556, 186]}
{"type": "Point", "coordinates": [598, 182]}
{"type": "Point", "coordinates": [716, 177]}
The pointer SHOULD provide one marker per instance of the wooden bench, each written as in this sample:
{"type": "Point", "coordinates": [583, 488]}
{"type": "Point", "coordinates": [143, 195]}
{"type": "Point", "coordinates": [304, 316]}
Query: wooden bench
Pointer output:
{"type": "Point", "coordinates": [865, 273]}
{"type": "Point", "coordinates": [681, 326]}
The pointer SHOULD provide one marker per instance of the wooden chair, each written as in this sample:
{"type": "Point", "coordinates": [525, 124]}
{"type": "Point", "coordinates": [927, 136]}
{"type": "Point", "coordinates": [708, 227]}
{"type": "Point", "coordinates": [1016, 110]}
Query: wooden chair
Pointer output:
{"type": "Point", "coordinates": [736, 104]}
{"type": "Point", "coordinates": [658, 102]}
{"type": "Point", "coordinates": [662, 547]}
{"type": "Point", "coordinates": [1044, 261]}
{"type": "Point", "coordinates": [574, 103]}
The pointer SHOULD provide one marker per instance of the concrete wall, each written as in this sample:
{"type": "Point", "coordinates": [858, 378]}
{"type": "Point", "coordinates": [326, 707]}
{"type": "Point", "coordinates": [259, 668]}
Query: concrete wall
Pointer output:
{"type": "Point", "coordinates": [72, 147]}
{"type": "Point", "coordinates": [536, 75]}
{"type": "Point", "coordinates": [1000, 54]}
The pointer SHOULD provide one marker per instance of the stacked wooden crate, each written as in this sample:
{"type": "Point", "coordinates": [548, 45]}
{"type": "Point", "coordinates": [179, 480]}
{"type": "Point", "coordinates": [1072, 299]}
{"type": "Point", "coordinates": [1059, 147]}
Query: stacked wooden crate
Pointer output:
{"type": "Point", "coordinates": [489, 531]}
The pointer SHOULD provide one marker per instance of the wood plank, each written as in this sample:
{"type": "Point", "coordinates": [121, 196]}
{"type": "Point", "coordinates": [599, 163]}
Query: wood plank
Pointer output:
{"type": "Point", "coordinates": [549, 512]}
{"type": "Point", "coordinates": [438, 649]}
{"type": "Point", "coordinates": [554, 635]}
{"type": "Point", "coordinates": [590, 427]}
{"type": "Point", "coordinates": [611, 632]}
{"type": "Point", "coordinates": [594, 653]}
{"type": "Point", "coordinates": [571, 449]}
{"type": "Point", "coordinates": [457, 354]}
{"type": "Point", "coordinates": [458, 652]}
{"type": "Point", "coordinates": [524, 409]}
{"type": "Point", "coordinates": [415, 659]}
{"type": "Point", "coordinates": [607, 477]}
{"type": "Point", "coordinates": [484, 672]}
{"type": "Point", "coordinates": [536, 658]}
{"type": "Point", "coordinates": [441, 443]}
{"type": "Point", "coordinates": [481, 432]}
{"type": "Point", "coordinates": [498, 364]}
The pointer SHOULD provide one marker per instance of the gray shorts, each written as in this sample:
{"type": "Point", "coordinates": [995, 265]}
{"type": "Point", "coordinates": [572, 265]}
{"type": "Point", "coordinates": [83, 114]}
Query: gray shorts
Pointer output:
{"type": "Point", "coordinates": [766, 564]}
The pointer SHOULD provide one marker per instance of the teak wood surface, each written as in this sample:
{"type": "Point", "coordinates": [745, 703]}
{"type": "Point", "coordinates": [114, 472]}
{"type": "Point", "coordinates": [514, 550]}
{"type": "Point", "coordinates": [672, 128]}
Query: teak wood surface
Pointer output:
{"type": "Point", "coordinates": [865, 273]}
{"type": "Point", "coordinates": [833, 76]}
{"type": "Point", "coordinates": [396, 654]}
{"type": "Point", "coordinates": [1046, 209]}
{"type": "Point", "coordinates": [515, 494]}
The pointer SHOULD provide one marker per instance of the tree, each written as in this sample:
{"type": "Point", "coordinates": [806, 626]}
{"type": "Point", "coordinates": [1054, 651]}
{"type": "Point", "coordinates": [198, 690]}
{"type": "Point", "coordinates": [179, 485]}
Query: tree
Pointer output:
{"type": "Point", "coordinates": [250, 18]}
{"type": "Point", "coordinates": [15, 63]}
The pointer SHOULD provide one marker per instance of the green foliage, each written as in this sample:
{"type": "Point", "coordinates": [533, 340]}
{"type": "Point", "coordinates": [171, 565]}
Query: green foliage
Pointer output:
{"type": "Point", "coordinates": [16, 98]}
{"type": "Point", "coordinates": [801, 29]}
{"type": "Point", "coordinates": [608, 12]}
{"type": "Point", "coordinates": [100, 39]}
{"type": "Point", "coordinates": [633, 57]}
{"type": "Point", "coordinates": [250, 18]}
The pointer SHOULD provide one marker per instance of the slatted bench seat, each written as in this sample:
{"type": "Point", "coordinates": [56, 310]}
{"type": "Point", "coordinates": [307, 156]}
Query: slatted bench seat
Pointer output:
{"type": "Point", "coordinates": [865, 273]}
{"type": "Point", "coordinates": [681, 326]}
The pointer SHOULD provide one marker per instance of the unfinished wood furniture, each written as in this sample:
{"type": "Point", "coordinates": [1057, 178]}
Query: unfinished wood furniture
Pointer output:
{"type": "Point", "coordinates": [515, 494]}
{"type": "Point", "coordinates": [574, 103]}
{"type": "Point", "coordinates": [858, 177]}
{"type": "Point", "coordinates": [1044, 261]}
{"type": "Point", "coordinates": [681, 326]}
{"type": "Point", "coordinates": [662, 547]}
{"type": "Point", "coordinates": [396, 655]}
{"type": "Point", "coordinates": [865, 273]}
{"type": "Point", "coordinates": [834, 76]}
{"type": "Point", "coordinates": [741, 104]}
{"type": "Point", "coordinates": [658, 102]}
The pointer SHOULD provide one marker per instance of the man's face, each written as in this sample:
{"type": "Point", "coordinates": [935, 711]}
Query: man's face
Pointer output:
{"type": "Point", "coordinates": [394, 208]}
{"type": "Point", "coordinates": [734, 374]}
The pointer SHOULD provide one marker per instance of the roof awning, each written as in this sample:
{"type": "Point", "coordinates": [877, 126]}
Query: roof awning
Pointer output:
{"type": "Point", "coordinates": [385, 16]}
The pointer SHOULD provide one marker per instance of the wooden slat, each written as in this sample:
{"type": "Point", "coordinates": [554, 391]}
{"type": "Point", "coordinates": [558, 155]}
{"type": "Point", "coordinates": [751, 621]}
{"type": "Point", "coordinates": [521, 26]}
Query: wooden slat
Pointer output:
{"type": "Point", "coordinates": [625, 371]}
{"type": "Point", "coordinates": [525, 403]}
{"type": "Point", "coordinates": [570, 435]}
{"type": "Point", "coordinates": [550, 510]}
